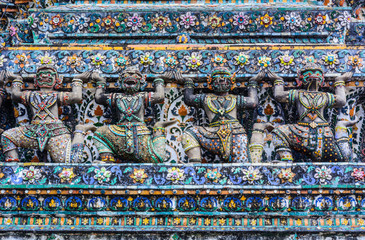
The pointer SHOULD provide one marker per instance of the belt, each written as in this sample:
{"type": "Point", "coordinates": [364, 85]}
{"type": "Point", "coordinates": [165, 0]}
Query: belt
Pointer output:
{"type": "Point", "coordinates": [313, 124]}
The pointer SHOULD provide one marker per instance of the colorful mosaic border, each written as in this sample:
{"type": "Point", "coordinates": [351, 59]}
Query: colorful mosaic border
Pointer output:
{"type": "Point", "coordinates": [177, 176]}
{"type": "Point", "coordinates": [195, 60]}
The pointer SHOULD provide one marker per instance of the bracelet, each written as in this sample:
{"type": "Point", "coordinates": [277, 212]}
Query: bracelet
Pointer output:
{"type": "Point", "coordinates": [278, 82]}
{"type": "Point", "coordinates": [339, 83]}
{"type": "Point", "coordinates": [252, 84]}
{"type": "Point", "coordinates": [158, 80]}
{"type": "Point", "coordinates": [79, 131]}
{"type": "Point", "coordinates": [258, 131]}
{"type": "Point", "coordinates": [2, 92]}
{"type": "Point", "coordinates": [18, 83]}
{"type": "Point", "coordinates": [189, 84]}
{"type": "Point", "coordinates": [162, 129]}
{"type": "Point", "coordinates": [76, 82]}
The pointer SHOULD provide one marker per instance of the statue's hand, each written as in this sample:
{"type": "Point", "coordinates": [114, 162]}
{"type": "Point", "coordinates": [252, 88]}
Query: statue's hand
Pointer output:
{"type": "Point", "coordinates": [273, 76]}
{"type": "Point", "coordinates": [258, 77]}
{"type": "Point", "coordinates": [84, 76]}
{"type": "Point", "coordinates": [168, 76]}
{"type": "Point", "coordinates": [344, 77]}
{"type": "Point", "coordinates": [97, 78]}
{"type": "Point", "coordinates": [6, 75]}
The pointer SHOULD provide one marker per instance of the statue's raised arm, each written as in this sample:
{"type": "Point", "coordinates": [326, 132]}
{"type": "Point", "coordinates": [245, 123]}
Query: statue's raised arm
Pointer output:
{"type": "Point", "coordinates": [312, 134]}
{"type": "Point", "coordinates": [130, 140]}
{"type": "Point", "coordinates": [46, 132]}
{"type": "Point", "coordinates": [224, 136]}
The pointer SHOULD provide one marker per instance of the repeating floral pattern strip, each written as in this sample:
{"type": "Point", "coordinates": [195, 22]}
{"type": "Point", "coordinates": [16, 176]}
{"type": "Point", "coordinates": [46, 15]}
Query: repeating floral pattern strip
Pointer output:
{"type": "Point", "coordinates": [123, 175]}
{"type": "Point", "coordinates": [202, 62]}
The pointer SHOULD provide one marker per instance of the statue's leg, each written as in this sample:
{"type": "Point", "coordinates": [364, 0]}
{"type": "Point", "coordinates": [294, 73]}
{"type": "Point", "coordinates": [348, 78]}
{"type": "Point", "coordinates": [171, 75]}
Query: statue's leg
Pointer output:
{"type": "Point", "coordinates": [282, 146]}
{"type": "Point", "coordinates": [191, 147]}
{"type": "Point", "coordinates": [342, 138]}
{"type": "Point", "coordinates": [105, 152]}
{"type": "Point", "coordinates": [12, 139]}
{"type": "Point", "coordinates": [59, 148]}
{"type": "Point", "coordinates": [159, 139]}
{"type": "Point", "coordinates": [77, 146]}
{"type": "Point", "coordinates": [257, 140]}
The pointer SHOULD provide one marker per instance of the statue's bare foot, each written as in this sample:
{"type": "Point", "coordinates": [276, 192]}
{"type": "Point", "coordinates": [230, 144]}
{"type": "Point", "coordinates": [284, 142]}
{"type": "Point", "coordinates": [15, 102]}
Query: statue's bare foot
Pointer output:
{"type": "Point", "coordinates": [263, 126]}
{"type": "Point", "coordinates": [347, 123]}
{"type": "Point", "coordinates": [86, 127]}
{"type": "Point", "coordinates": [165, 124]}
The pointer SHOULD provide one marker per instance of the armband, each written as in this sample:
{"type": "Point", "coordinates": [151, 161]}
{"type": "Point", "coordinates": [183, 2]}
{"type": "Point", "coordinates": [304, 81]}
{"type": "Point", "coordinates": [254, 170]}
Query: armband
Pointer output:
{"type": "Point", "coordinates": [159, 81]}
{"type": "Point", "coordinates": [252, 84]}
{"type": "Point", "coordinates": [278, 82]}
{"type": "Point", "coordinates": [189, 83]}
{"type": "Point", "coordinates": [339, 83]}
{"type": "Point", "coordinates": [18, 83]}
{"type": "Point", "coordinates": [76, 83]}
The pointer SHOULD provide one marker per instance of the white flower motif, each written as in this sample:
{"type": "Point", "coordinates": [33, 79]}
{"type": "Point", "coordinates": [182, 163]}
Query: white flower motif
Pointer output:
{"type": "Point", "coordinates": [31, 174]}
{"type": "Point", "coordinates": [345, 20]}
{"type": "Point", "coordinates": [102, 175]}
{"type": "Point", "coordinates": [82, 21]}
{"type": "Point", "coordinates": [193, 61]}
{"type": "Point", "coordinates": [175, 174]}
{"type": "Point", "coordinates": [134, 22]}
{"type": "Point", "coordinates": [241, 59]}
{"type": "Point", "coordinates": [293, 20]}
{"type": "Point", "coordinates": [251, 175]}
{"type": "Point", "coordinates": [187, 20]}
{"type": "Point", "coordinates": [146, 59]}
{"type": "Point", "coordinates": [2, 60]}
{"type": "Point", "coordinates": [323, 174]}
{"type": "Point", "coordinates": [240, 20]}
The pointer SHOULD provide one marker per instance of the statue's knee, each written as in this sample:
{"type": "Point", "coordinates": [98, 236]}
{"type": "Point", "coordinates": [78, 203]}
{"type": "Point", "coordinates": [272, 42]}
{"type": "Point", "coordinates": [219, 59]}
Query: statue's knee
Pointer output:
{"type": "Point", "coordinates": [7, 143]}
{"type": "Point", "coordinates": [189, 141]}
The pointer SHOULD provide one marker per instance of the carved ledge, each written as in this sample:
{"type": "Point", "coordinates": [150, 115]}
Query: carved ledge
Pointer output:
{"type": "Point", "coordinates": [171, 197]}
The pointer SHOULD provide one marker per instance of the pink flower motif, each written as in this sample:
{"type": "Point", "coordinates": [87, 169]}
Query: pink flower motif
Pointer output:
{"type": "Point", "coordinates": [134, 22]}
{"type": "Point", "coordinates": [13, 31]}
{"type": "Point", "coordinates": [358, 174]}
{"type": "Point", "coordinates": [187, 20]}
{"type": "Point", "coordinates": [240, 20]}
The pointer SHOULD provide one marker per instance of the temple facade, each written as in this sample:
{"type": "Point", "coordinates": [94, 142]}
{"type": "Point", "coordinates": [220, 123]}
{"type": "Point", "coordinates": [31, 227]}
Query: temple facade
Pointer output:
{"type": "Point", "coordinates": [182, 119]}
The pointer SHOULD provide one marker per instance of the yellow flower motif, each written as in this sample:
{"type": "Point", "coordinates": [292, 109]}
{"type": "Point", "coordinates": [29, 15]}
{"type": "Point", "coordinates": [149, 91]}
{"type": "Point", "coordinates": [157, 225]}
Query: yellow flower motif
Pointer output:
{"type": "Point", "coordinates": [286, 174]}
{"type": "Point", "coordinates": [266, 20]}
{"type": "Point", "coordinates": [85, 221]}
{"type": "Point", "coordinates": [253, 222]}
{"type": "Point", "coordinates": [222, 221]}
{"type": "Point", "coordinates": [145, 221]}
{"type": "Point", "coordinates": [238, 222]}
{"type": "Point", "coordinates": [207, 221]}
{"type": "Point", "coordinates": [69, 222]}
{"type": "Point", "coordinates": [298, 222]}
{"type": "Point", "coordinates": [39, 221]}
{"type": "Point", "coordinates": [214, 21]}
{"type": "Point", "coordinates": [361, 222]}
{"type": "Point", "coordinates": [264, 61]}
{"type": "Point", "coordinates": [192, 221]}
{"type": "Point", "coordinates": [8, 221]}
{"type": "Point", "coordinates": [177, 221]}
{"type": "Point", "coordinates": [130, 221]}
{"type": "Point", "coordinates": [138, 175]}
{"type": "Point", "coordinates": [213, 175]}
{"type": "Point", "coordinates": [345, 222]}
{"type": "Point", "coordinates": [329, 222]}
{"type": "Point", "coordinates": [100, 221]}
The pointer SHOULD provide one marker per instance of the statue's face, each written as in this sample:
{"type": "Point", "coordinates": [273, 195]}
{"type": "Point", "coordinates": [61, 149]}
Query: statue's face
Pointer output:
{"type": "Point", "coordinates": [46, 78]}
{"type": "Point", "coordinates": [221, 82]}
{"type": "Point", "coordinates": [131, 81]}
{"type": "Point", "coordinates": [312, 77]}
